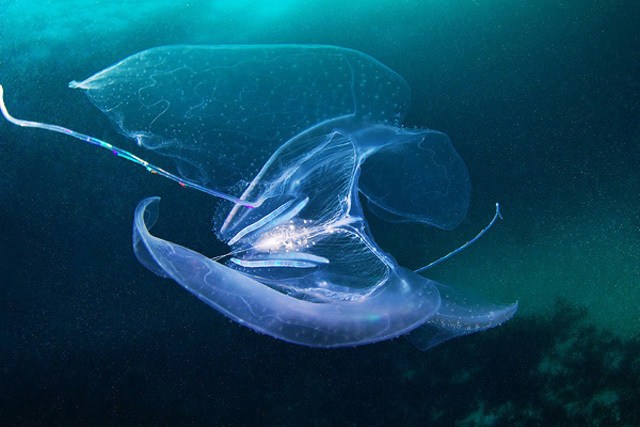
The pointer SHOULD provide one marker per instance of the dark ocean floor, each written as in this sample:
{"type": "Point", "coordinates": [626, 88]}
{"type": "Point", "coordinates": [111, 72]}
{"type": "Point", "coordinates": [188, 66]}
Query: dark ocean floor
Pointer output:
{"type": "Point", "coordinates": [557, 370]}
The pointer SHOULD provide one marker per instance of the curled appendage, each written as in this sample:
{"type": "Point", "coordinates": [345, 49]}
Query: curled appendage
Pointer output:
{"type": "Point", "coordinates": [466, 245]}
{"type": "Point", "coordinates": [121, 153]}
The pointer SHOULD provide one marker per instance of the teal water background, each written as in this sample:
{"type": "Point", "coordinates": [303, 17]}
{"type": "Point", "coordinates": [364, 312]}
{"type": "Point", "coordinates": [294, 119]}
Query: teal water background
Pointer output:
{"type": "Point", "coordinates": [542, 101]}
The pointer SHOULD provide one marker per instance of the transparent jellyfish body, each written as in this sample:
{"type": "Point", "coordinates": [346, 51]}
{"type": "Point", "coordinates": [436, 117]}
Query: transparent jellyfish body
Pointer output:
{"type": "Point", "coordinates": [289, 136]}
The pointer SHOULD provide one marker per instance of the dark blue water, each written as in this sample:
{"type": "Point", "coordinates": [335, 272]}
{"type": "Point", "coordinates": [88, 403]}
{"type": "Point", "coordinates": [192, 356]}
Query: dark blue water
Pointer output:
{"type": "Point", "coordinates": [540, 100]}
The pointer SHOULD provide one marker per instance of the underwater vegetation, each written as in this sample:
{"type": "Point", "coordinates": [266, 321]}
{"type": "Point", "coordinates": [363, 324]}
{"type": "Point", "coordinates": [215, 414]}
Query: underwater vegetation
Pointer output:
{"type": "Point", "coordinates": [565, 370]}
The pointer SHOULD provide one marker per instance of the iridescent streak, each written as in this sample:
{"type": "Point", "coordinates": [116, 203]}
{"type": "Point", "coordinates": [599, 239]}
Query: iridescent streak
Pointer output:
{"type": "Point", "coordinates": [291, 259]}
{"type": "Point", "coordinates": [268, 218]}
{"type": "Point", "coordinates": [121, 153]}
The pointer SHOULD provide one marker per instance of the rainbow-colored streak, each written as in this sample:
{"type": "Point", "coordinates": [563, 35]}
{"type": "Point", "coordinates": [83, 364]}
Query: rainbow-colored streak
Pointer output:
{"type": "Point", "coordinates": [121, 153]}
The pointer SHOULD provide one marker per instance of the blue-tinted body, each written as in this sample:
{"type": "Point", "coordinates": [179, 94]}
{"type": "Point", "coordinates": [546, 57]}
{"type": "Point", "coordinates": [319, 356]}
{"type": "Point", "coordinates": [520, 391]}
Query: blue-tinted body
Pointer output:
{"type": "Point", "coordinates": [290, 136]}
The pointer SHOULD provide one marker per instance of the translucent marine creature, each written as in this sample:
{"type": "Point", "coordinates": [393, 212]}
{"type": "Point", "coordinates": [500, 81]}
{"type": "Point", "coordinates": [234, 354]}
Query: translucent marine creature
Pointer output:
{"type": "Point", "coordinates": [289, 136]}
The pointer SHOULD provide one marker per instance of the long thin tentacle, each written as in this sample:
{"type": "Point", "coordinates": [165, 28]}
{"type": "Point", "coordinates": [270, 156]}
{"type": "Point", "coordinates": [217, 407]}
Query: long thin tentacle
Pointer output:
{"type": "Point", "coordinates": [466, 245]}
{"type": "Point", "coordinates": [121, 153]}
